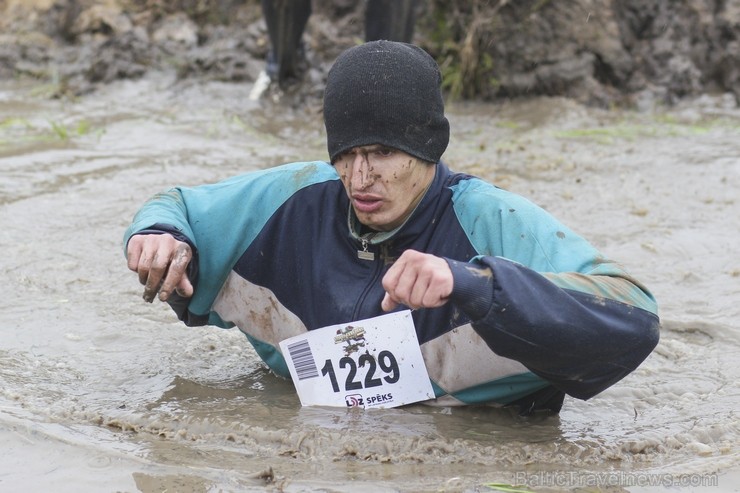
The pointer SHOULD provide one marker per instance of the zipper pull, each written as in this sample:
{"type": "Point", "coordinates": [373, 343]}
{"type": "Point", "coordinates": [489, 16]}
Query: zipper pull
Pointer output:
{"type": "Point", "coordinates": [364, 254]}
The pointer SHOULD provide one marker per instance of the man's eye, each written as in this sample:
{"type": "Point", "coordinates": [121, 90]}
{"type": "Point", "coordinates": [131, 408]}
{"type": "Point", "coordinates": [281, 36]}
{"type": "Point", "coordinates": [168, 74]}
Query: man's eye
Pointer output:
{"type": "Point", "coordinates": [384, 152]}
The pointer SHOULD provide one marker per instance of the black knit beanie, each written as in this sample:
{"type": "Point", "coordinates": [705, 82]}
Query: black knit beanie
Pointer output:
{"type": "Point", "coordinates": [387, 93]}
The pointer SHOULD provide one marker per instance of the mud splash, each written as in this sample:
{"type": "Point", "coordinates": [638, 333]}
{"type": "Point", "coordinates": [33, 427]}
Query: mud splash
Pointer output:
{"type": "Point", "coordinates": [100, 388]}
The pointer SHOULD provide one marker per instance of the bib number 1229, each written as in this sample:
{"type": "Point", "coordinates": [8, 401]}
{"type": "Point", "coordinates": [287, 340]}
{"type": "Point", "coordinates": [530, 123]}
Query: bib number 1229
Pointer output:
{"type": "Point", "coordinates": [390, 372]}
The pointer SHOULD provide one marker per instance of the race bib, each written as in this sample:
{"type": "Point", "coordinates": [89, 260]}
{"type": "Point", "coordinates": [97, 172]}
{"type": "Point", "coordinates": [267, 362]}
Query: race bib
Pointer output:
{"type": "Point", "coordinates": [372, 363]}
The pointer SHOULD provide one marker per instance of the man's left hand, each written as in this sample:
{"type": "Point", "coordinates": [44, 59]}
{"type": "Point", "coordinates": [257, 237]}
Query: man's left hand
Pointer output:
{"type": "Point", "coordinates": [417, 280]}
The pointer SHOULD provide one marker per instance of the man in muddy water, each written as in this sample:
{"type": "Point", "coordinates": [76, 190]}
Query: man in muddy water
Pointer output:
{"type": "Point", "coordinates": [510, 306]}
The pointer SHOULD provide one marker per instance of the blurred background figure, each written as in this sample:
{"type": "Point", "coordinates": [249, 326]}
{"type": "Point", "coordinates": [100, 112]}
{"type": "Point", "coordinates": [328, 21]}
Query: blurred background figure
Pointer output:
{"type": "Point", "coordinates": [286, 21]}
{"type": "Point", "coordinates": [390, 19]}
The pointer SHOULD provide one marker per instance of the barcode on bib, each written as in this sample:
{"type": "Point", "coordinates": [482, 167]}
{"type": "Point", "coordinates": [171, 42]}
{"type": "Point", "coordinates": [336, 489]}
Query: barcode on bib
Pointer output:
{"type": "Point", "coordinates": [305, 366]}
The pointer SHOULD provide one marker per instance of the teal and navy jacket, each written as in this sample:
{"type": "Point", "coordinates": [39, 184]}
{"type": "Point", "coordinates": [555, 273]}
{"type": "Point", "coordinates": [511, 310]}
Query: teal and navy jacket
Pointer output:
{"type": "Point", "coordinates": [536, 312]}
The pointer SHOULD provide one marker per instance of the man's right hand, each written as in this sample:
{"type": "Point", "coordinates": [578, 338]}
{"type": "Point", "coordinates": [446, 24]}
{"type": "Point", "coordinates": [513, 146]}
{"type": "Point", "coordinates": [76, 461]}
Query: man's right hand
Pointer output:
{"type": "Point", "coordinates": [161, 262]}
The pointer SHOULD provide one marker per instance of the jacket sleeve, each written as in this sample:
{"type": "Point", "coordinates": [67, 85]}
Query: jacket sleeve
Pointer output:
{"type": "Point", "coordinates": [580, 342]}
{"type": "Point", "coordinates": [220, 221]}
{"type": "Point", "coordinates": [540, 294]}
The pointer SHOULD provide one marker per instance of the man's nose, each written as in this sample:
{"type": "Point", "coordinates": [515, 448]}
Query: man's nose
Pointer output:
{"type": "Point", "coordinates": [361, 175]}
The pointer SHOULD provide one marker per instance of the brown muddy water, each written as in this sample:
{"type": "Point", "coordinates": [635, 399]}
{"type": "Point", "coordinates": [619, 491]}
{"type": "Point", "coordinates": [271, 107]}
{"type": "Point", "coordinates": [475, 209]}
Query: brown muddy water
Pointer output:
{"type": "Point", "coordinates": [100, 391]}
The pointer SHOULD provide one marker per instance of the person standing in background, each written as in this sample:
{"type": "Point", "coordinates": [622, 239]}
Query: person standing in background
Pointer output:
{"type": "Point", "coordinates": [391, 20]}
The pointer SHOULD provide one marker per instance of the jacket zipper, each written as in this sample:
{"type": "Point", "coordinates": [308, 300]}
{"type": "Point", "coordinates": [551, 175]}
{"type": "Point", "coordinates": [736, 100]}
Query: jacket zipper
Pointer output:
{"type": "Point", "coordinates": [368, 255]}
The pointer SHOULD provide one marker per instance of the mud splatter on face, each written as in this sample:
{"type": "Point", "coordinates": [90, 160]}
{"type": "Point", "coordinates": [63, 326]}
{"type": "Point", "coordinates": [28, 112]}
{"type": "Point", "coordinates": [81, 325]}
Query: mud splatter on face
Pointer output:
{"type": "Point", "coordinates": [384, 185]}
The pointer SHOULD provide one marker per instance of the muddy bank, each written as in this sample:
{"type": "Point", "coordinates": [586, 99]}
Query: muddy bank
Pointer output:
{"type": "Point", "coordinates": [600, 52]}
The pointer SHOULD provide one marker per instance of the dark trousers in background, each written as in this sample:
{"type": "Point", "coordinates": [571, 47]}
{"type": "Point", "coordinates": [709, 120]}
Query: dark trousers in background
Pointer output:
{"type": "Point", "coordinates": [286, 21]}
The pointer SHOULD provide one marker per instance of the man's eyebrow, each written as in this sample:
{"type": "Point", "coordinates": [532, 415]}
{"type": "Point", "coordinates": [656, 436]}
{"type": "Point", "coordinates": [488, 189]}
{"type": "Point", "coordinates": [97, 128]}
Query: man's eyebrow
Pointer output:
{"type": "Point", "coordinates": [367, 148]}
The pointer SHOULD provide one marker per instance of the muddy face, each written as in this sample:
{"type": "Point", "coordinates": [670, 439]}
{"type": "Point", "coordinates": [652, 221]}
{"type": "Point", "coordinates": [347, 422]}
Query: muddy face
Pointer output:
{"type": "Point", "coordinates": [384, 185]}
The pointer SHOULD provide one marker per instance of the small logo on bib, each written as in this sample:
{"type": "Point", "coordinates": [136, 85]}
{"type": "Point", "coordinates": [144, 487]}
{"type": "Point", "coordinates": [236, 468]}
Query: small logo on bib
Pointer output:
{"type": "Point", "coordinates": [354, 400]}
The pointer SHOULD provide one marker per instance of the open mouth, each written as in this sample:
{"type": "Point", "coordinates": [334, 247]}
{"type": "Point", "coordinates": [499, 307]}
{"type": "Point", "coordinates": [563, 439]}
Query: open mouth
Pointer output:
{"type": "Point", "coordinates": [366, 203]}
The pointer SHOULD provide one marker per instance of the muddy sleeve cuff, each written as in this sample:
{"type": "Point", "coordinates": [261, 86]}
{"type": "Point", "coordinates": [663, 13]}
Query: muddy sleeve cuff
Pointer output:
{"type": "Point", "coordinates": [161, 228]}
{"type": "Point", "coordinates": [472, 288]}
